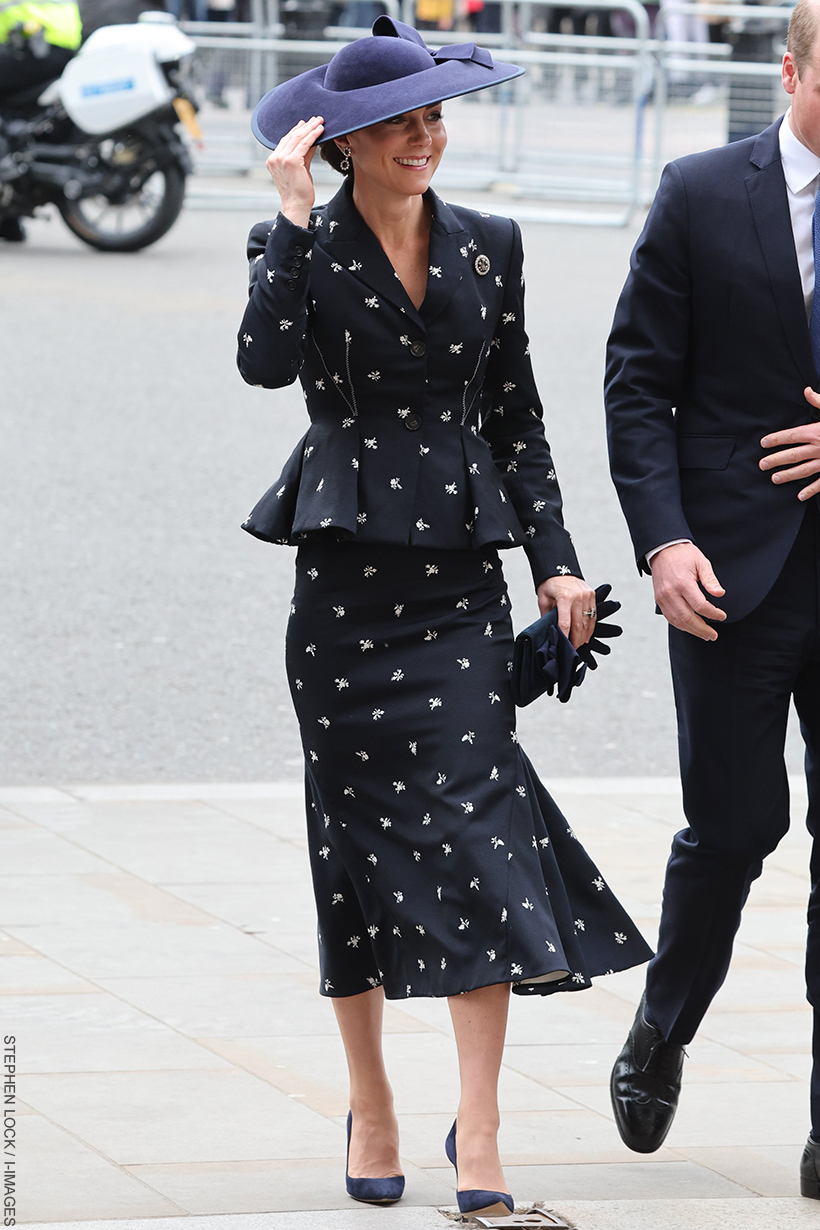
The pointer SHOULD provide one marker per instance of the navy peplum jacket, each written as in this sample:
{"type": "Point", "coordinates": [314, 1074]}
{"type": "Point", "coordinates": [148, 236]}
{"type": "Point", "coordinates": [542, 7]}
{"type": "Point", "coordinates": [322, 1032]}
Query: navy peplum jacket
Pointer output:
{"type": "Point", "coordinates": [425, 426]}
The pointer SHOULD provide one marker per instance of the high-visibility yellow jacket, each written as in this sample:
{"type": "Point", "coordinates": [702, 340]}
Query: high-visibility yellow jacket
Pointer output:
{"type": "Point", "coordinates": [58, 19]}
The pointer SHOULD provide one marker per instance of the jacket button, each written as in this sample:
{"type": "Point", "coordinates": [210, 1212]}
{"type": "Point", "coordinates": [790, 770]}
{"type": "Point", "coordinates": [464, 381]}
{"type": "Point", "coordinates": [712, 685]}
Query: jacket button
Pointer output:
{"type": "Point", "coordinates": [298, 262]}
{"type": "Point", "coordinates": [299, 251]}
{"type": "Point", "coordinates": [413, 422]}
{"type": "Point", "coordinates": [291, 285]}
{"type": "Point", "coordinates": [294, 273]}
{"type": "Point", "coordinates": [418, 349]}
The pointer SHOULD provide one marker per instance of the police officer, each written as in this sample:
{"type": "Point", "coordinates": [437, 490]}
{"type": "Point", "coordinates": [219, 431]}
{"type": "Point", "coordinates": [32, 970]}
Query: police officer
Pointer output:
{"type": "Point", "coordinates": [37, 39]}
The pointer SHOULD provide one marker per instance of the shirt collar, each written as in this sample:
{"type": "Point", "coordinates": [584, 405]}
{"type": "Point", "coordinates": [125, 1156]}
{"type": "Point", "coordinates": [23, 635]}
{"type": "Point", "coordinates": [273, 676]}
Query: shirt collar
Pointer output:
{"type": "Point", "coordinates": [800, 165]}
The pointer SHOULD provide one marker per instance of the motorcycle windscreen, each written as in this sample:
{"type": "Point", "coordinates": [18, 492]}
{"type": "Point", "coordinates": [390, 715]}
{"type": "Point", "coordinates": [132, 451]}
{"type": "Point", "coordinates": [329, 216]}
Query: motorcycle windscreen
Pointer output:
{"type": "Point", "coordinates": [105, 90]}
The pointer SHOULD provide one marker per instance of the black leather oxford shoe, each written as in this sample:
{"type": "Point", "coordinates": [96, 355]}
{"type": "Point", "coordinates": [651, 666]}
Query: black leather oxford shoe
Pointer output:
{"type": "Point", "coordinates": [810, 1170]}
{"type": "Point", "coordinates": [645, 1086]}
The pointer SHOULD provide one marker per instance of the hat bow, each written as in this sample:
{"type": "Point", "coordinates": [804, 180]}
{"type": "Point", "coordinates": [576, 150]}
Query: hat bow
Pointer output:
{"type": "Point", "coordinates": [464, 51]}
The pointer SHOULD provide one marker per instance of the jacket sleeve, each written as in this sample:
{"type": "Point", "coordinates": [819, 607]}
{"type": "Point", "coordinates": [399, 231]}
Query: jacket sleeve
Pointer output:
{"type": "Point", "coordinates": [512, 425]}
{"type": "Point", "coordinates": [273, 332]}
{"type": "Point", "coordinates": [646, 358]}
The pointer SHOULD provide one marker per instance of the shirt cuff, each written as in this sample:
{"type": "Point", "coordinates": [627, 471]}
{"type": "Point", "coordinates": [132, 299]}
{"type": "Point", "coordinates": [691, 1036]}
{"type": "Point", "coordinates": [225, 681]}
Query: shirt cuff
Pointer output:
{"type": "Point", "coordinates": [672, 543]}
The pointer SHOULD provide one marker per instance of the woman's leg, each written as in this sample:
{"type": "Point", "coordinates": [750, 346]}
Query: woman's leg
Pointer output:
{"type": "Point", "coordinates": [374, 1140]}
{"type": "Point", "coordinates": [480, 1023]}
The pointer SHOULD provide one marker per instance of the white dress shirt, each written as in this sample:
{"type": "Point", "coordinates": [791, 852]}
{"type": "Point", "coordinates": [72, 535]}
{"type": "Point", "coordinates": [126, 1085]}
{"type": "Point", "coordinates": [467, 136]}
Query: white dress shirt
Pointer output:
{"type": "Point", "coordinates": [801, 170]}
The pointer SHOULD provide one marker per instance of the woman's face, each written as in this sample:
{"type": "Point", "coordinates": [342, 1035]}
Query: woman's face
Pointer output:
{"type": "Point", "coordinates": [399, 155]}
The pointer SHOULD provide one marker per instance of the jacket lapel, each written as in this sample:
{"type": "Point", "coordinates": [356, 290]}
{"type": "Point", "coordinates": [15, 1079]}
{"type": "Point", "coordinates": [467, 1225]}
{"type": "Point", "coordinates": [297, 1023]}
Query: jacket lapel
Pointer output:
{"type": "Point", "coordinates": [770, 209]}
{"type": "Point", "coordinates": [351, 242]}
{"type": "Point", "coordinates": [447, 262]}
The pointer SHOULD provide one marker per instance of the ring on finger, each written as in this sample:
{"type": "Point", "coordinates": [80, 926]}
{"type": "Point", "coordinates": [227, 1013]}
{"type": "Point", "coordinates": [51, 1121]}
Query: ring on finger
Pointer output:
{"type": "Point", "coordinates": [589, 614]}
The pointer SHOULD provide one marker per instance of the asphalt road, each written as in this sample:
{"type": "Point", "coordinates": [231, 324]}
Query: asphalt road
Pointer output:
{"type": "Point", "coordinates": [141, 631]}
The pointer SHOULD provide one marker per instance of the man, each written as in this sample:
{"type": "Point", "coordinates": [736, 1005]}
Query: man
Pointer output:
{"type": "Point", "coordinates": [715, 451]}
{"type": "Point", "coordinates": [37, 39]}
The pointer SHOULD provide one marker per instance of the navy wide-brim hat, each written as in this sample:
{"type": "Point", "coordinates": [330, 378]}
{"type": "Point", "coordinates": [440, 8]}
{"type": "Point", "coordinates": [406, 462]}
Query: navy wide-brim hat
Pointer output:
{"type": "Point", "coordinates": [374, 79]}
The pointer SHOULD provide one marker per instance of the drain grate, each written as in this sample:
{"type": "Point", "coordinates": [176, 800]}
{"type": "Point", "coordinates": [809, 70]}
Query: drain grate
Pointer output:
{"type": "Point", "coordinates": [522, 1221]}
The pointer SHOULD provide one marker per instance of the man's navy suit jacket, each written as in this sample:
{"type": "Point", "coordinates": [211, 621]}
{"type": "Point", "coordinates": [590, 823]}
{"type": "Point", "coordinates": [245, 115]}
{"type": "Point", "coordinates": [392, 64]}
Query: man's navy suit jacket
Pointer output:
{"type": "Point", "coordinates": [709, 352]}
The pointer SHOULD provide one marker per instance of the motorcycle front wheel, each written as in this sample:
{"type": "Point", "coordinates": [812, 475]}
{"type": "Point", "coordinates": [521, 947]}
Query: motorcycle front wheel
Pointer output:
{"type": "Point", "coordinates": [133, 221]}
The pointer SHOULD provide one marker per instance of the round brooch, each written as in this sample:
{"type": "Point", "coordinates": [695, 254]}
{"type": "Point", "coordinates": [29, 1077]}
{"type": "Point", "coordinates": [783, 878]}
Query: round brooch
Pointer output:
{"type": "Point", "coordinates": [482, 264]}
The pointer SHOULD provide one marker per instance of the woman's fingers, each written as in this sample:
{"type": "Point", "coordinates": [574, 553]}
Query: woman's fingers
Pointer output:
{"type": "Point", "coordinates": [583, 624]}
{"type": "Point", "coordinates": [573, 621]}
{"type": "Point", "coordinates": [287, 142]}
{"type": "Point", "coordinates": [306, 138]}
{"type": "Point", "coordinates": [289, 168]}
{"type": "Point", "coordinates": [298, 140]}
{"type": "Point", "coordinates": [572, 597]}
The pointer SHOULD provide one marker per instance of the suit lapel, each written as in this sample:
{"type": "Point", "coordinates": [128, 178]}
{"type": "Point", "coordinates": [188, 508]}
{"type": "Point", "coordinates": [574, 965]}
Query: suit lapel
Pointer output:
{"type": "Point", "coordinates": [770, 209]}
{"type": "Point", "coordinates": [351, 242]}
{"type": "Point", "coordinates": [447, 264]}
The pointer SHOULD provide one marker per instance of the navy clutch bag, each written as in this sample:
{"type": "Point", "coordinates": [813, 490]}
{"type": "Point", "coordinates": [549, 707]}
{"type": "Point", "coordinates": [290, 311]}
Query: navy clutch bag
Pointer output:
{"type": "Point", "coordinates": [546, 661]}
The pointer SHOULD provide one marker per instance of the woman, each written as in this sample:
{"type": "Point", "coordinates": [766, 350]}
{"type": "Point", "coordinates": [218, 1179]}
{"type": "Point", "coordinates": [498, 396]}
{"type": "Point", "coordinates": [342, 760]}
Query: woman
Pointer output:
{"type": "Point", "coordinates": [441, 867]}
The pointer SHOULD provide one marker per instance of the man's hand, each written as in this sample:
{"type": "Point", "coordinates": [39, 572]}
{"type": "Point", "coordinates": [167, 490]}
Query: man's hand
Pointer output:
{"type": "Point", "coordinates": [573, 597]}
{"type": "Point", "coordinates": [677, 574]}
{"type": "Point", "coordinates": [802, 458]}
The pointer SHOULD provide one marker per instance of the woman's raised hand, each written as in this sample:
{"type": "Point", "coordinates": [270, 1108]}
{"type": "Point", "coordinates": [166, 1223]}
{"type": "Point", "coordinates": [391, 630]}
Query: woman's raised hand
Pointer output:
{"type": "Point", "coordinates": [289, 166]}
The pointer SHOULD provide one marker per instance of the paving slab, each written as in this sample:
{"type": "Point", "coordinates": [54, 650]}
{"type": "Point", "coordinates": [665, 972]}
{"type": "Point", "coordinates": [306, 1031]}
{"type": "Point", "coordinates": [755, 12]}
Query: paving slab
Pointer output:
{"type": "Point", "coordinates": [681, 1214]}
{"type": "Point", "coordinates": [176, 1064]}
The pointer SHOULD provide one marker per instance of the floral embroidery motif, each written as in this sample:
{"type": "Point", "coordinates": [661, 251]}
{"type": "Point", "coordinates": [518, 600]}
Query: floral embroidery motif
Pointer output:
{"type": "Point", "coordinates": [468, 802]}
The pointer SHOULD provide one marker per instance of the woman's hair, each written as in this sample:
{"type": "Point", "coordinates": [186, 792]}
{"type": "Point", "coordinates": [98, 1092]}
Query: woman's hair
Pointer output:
{"type": "Point", "coordinates": [331, 153]}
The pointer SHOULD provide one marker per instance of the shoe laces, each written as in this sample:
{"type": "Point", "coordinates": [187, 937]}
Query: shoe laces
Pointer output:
{"type": "Point", "coordinates": [667, 1060]}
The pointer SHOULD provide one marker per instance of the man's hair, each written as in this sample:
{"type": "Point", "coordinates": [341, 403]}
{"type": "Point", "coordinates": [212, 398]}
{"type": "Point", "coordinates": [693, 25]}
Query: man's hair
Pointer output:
{"type": "Point", "coordinates": [803, 30]}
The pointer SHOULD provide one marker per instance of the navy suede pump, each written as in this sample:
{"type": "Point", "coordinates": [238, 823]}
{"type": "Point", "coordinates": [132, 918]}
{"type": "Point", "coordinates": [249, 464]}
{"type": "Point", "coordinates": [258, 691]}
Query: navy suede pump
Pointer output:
{"type": "Point", "coordinates": [477, 1203]}
{"type": "Point", "coordinates": [372, 1191]}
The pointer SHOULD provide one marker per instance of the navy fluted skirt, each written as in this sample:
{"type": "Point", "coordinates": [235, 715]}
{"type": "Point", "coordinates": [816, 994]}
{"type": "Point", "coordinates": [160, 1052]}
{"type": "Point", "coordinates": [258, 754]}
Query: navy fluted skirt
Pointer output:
{"type": "Point", "coordinates": [440, 863]}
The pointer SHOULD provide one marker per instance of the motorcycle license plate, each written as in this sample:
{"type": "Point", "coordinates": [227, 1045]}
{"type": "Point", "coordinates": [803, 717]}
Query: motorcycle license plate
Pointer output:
{"type": "Point", "coordinates": [187, 116]}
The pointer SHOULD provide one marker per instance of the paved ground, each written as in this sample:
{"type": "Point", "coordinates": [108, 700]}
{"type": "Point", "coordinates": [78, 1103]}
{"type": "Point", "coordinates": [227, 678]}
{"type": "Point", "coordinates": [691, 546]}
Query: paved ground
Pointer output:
{"type": "Point", "coordinates": [176, 1068]}
{"type": "Point", "coordinates": [174, 1058]}
{"type": "Point", "coordinates": [141, 630]}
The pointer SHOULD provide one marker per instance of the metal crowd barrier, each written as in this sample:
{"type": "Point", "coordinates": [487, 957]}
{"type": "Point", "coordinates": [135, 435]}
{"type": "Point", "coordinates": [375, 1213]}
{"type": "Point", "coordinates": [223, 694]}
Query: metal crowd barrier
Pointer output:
{"type": "Point", "coordinates": [741, 95]}
{"type": "Point", "coordinates": [570, 136]}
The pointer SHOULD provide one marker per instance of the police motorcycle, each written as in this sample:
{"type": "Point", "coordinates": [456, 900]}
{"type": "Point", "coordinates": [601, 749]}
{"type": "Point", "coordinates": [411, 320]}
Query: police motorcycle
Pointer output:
{"type": "Point", "coordinates": [101, 142]}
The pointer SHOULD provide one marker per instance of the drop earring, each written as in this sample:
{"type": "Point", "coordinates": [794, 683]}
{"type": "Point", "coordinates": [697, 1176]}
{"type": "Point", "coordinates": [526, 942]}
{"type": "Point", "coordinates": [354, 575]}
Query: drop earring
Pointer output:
{"type": "Point", "coordinates": [345, 164]}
